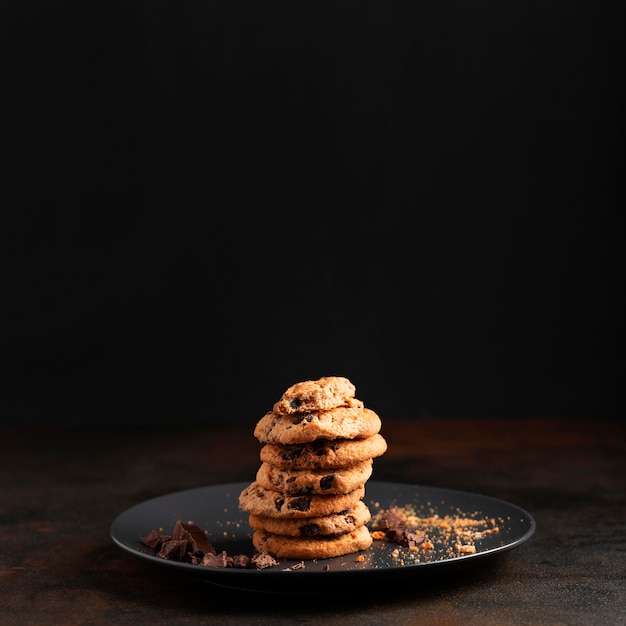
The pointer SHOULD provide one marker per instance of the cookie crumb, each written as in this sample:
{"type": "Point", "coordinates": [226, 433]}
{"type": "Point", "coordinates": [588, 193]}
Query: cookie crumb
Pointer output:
{"type": "Point", "coordinates": [431, 537]}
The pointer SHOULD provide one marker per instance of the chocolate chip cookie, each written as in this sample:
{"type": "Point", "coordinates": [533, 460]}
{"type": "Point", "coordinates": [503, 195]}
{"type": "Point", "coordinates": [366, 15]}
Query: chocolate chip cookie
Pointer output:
{"type": "Point", "coordinates": [333, 524]}
{"type": "Point", "coordinates": [284, 547]}
{"type": "Point", "coordinates": [323, 453]}
{"type": "Point", "coordinates": [303, 427]}
{"type": "Point", "coordinates": [325, 393]}
{"type": "Point", "coordinates": [303, 482]}
{"type": "Point", "coordinates": [260, 501]}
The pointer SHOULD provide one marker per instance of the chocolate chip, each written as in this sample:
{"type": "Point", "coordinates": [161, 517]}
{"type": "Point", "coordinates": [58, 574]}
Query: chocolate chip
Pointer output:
{"type": "Point", "coordinates": [328, 481]}
{"type": "Point", "coordinates": [300, 504]}
{"type": "Point", "coordinates": [319, 447]}
{"type": "Point", "coordinates": [295, 403]}
{"type": "Point", "coordinates": [309, 530]}
{"type": "Point", "coordinates": [291, 454]}
{"type": "Point", "coordinates": [278, 503]}
{"type": "Point", "coordinates": [304, 417]}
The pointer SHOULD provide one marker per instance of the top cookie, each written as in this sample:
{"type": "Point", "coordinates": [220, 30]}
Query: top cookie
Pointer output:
{"type": "Point", "coordinates": [325, 393]}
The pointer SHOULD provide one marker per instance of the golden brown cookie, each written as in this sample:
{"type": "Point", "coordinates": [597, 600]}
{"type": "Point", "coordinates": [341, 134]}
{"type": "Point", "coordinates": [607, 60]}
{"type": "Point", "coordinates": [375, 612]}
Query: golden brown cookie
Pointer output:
{"type": "Point", "coordinates": [323, 453]}
{"type": "Point", "coordinates": [260, 501]}
{"type": "Point", "coordinates": [283, 547]}
{"type": "Point", "coordinates": [334, 524]}
{"type": "Point", "coordinates": [316, 395]}
{"type": "Point", "coordinates": [302, 482]}
{"type": "Point", "coordinates": [338, 423]}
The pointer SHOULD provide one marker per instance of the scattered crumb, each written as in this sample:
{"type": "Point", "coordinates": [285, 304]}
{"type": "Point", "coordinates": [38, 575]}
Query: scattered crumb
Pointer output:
{"type": "Point", "coordinates": [431, 537]}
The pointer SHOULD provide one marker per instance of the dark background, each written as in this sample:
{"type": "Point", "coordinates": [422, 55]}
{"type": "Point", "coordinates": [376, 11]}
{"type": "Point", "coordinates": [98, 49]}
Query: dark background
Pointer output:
{"type": "Point", "coordinates": [206, 202]}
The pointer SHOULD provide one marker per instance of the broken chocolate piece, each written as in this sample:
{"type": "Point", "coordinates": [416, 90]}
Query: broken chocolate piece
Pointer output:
{"type": "Point", "coordinates": [173, 549]}
{"type": "Point", "coordinates": [391, 520]}
{"type": "Point", "coordinates": [190, 543]}
{"type": "Point", "coordinates": [241, 560]}
{"type": "Point", "coordinates": [197, 538]}
{"type": "Point", "coordinates": [405, 538]}
{"type": "Point", "coordinates": [263, 560]}
{"type": "Point", "coordinates": [154, 539]}
{"type": "Point", "coordinates": [217, 560]}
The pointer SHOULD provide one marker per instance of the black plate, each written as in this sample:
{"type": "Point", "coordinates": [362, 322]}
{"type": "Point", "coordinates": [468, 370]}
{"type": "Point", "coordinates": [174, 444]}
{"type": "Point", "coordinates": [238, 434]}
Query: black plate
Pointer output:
{"type": "Point", "coordinates": [216, 510]}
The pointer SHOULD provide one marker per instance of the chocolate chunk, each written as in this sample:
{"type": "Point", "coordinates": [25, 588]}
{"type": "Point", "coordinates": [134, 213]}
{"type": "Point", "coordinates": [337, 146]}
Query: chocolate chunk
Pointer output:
{"type": "Point", "coordinates": [197, 538]}
{"type": "Point", "coordinates": [304, 417]}
{"type": "Point", "coordinates": [309, 529]}
{"type": "Point", "coordinates": [154, 539]}
{"type": "Point", "coordinates": [328, 481]}
{"type": "Point", "coordinates": [291, 454]}
{"type": "Point", "coordinates": [278, 503]}
{"type": "Point", "coordinates": [174, 549]}
{"type": "Point", "coordinates": [300, 504]}
{"type": "Point", "coordinates": [391, 520]}
{"type": "Point", "coordinates": [217, 560]}
{"type": "Point", "coordinates": [241, 560]}
{"type": "Point", "coordinates": [263, 559]}
{"type": "Point", "coordinates": [404, 538]}
{"type": "Point", "coordinates": [295, 403]}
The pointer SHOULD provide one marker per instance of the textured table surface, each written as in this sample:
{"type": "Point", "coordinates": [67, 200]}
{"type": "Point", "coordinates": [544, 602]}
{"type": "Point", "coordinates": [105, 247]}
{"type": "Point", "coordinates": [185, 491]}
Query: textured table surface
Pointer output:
{"type": "Point", "coordinates": [60, 489]}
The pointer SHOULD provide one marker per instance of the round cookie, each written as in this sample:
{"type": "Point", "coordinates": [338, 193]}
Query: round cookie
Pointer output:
{"type": "Point", "coordinates": [283, 547]}
{"type": "Point", "coordinates": [333, 524]}
{"type": "Point", "coordinates": [311, 395]}
{"type": "Point", "coordinates": [259, 501]}
{"type": "Point", "coordinates": [303, 482]}
{"type": "Point", "coordinates": [337, 423]}
{"type": "Point", "coordinates": [323, 453]}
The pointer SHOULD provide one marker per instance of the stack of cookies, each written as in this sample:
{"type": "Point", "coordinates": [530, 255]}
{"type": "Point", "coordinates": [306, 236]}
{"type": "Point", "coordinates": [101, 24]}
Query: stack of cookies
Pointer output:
{"type": "Point", "coordinates": [319, 445]}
